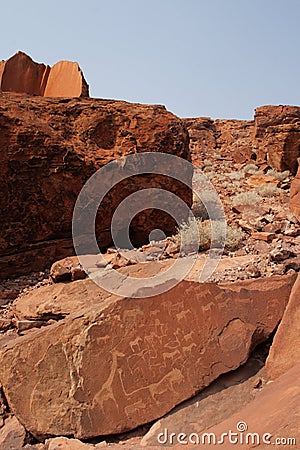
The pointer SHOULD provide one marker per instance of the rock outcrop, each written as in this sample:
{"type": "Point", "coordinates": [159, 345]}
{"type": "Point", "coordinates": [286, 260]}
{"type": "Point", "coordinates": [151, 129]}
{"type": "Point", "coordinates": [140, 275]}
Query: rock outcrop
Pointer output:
{"type": "Point", "coordinates": [126, 362]}
{"type": "Point", "coordinates": [295, 194]}
{"type": "Point", "coordinates": [285, 350]}
{"type": "Point", "coordinates": [277, 133]}
{"type": "Point", "coordinates": [21, 74]}
{"type": "Point", "coordinates": [273, 137]}
{"type": "Point", "coordinates": [231, 139]}
{"type": "Point", "coordinates": [48, 150]}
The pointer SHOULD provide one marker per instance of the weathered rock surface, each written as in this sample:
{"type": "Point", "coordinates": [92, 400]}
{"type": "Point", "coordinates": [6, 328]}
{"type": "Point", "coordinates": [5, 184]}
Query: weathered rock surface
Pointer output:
{"type": "Point", "coordinates": [12, 435]}
{"type": "Point", "coordinates": [285, 350]}
{"type": "Point", "coordinates": [295, 194]}
{"type": "Point", "coordinates": [21, 74]}
{"type": "Point", "coordinates": [273, 137]}
{"type": "Point", "coordinates": [67, 269]}
{"type": "Point", "coordinates": [63, 443]}
{"type": "Point", "coordinates": [57, 301]}
{"type": "Point", "coordinates": [229, 138]}
{"type": "Point", "coordinates": [277, 133]}
{"type": "Point", "coordinates": [223, 398]}
{"type": "Point", "coordinates": [66, 80]}
{"type": "Point", "coordinates": [273, 414]}
{"type": "Point", "coordinates": [126, 362]}
{"type": "Point", "coordinates": [46, 159]}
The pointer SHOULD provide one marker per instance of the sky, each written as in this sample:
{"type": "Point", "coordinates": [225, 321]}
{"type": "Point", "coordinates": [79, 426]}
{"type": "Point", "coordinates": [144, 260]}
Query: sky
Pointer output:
{"type": "Point", "coordinates": [212, 58]}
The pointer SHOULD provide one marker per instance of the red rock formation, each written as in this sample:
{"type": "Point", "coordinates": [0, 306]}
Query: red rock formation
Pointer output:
{"type": "Point", "coordinates": [21, 74]}
{"type": "Point", "coordinates": [272, 415]}
{"type": "Point", "coordinates": [285, 350]}
{"type": "Point", "coordinates": [295, 194]}
{"type": "Point", "coordinates": [277, 133]}
{"type": "Point", "coordinates": [125, 362]}
{"type": "Point", "coordinates": [66, 80]}
{"type": "Point", "coordinates": [230, 139]}
{"type": "Point", "coordinates": [273, 137]}
{"type": "Point", "coordinates": [202, 134]}
{"type": "Point", "coordinates": [48, 150]}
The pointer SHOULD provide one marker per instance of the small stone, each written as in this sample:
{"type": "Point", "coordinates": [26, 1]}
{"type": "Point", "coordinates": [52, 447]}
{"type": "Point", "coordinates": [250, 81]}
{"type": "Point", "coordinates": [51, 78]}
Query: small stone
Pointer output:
{"type": "Point", "coordinates": [24, 325]}
{"type": "Point", "coordinates": [292, 263]}
{"type": "Point", "coordinates": [280, 254]}
{"type": "Point", "coordinates": [263, 236]}
{"type": "Point", "coordinates": [245, 226]}
{"type": "Point", "coordinates": [4, 324]}
{"type": "Point", "coordinates": [253, 271]}
{"type": "Point", "coordinates": [63, 443]}
{"type": "Point", "coordinates": [257, 383]}
{"type": "Point", "coordinates": [111, 250]}
{"type": "Point", "coordinates": [77, 273]}
{"type": "Point", "coordinates": [274, 227]}
{"type": "Point", "coordinates": [259, 179]}
{"type": "Point", "coordinates": [292, 230]}
{"type": "Point", "coordinates": [121, 261]}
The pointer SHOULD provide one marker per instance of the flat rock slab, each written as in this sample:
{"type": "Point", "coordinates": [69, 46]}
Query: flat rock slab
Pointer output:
{"type": "Point", "coordinates": [56, 301]}
{"type": "Point", "coordinates": [273, 414]}
{"type": "Point", "coordinates": [223, 398]}
{"type": "Point", "coordinates": [126, 362]}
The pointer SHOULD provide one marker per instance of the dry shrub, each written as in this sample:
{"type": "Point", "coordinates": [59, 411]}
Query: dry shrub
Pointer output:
{"type": "Point", "coordinates": [246, 198]}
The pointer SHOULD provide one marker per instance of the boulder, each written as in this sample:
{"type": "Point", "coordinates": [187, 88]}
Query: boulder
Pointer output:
{"type": "Point", "coordinates": [277, 135]}
{"type": "Point", "coordinates": [54, 302]}
{"type": "Point", "coordinates": [202, 138]}
{"type": "Point", "coordinates": [46, 160]}
{"type": "Point", "coordinates": [67, 269]}
{"type": "Point", "coordinates": [21, 74]}
{"type": "Point", "coordinates": [12, 434]}
{"type": "Point", "coordinates": [235, 140]}
{"type": "Point", "coordinates": [295, 194]}
{"type": "Point", "coordinates": [285, 350]}
{"type": "Point", "coordinates": [128, 361]}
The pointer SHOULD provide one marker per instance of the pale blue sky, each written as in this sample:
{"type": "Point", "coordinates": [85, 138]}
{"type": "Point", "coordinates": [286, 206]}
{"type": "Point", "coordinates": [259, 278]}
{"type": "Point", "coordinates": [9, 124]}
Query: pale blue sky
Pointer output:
{"type": "Point", "coordinates": [218, 58]}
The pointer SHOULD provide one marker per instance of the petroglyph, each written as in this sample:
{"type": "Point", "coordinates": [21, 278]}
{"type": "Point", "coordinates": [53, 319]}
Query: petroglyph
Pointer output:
{"type": "Point", "coordinates": [125, 362]}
